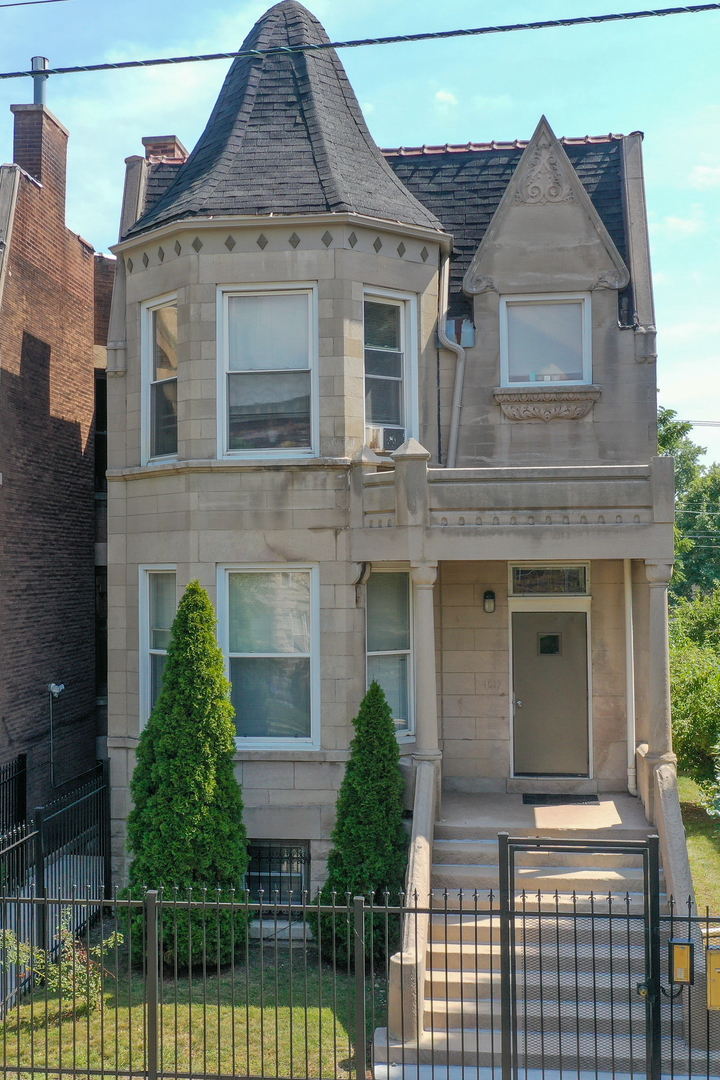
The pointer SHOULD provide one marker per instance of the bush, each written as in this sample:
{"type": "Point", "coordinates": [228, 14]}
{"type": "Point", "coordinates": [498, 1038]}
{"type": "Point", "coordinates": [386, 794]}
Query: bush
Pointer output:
{"type": "Point", "coordinates": [695, 681]}
{"type": "Point", "coordinates": [186, 828]}
{"type": "Point", "coordinates": [369, 844]}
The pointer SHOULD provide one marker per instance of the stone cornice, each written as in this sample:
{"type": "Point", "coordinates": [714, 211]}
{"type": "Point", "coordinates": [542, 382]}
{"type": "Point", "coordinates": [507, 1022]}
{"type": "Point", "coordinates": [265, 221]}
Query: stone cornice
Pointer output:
{"type": "Point", "coordinates": [547, 402]}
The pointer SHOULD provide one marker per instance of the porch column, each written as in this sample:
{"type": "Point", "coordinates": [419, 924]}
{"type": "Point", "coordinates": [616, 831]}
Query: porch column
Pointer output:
{"type": "Point", "coordinates": [660, 742]}
{"type": "Point", "coordinates": [423, 577]}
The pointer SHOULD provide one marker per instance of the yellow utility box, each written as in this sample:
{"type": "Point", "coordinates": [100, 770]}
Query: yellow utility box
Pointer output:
{"type": "Point", "coordinates": [712, 955]}
{"type": "Point", "coordinates": [681, 962]}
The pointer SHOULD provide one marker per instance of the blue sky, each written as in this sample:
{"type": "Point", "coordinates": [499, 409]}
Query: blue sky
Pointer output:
{"type": "Point", "coordinates": [660, 76]}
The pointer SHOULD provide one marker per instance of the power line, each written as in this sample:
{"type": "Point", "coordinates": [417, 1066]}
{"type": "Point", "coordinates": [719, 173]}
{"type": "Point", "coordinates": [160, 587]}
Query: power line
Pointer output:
{"type": "Point", "coordinates": [29, 3]}
{"type": "Point", "coordinates": [692, 9]}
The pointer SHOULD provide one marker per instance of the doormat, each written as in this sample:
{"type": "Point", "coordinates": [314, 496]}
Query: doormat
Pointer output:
{"type": "Point", "coordinates": [560, 800]}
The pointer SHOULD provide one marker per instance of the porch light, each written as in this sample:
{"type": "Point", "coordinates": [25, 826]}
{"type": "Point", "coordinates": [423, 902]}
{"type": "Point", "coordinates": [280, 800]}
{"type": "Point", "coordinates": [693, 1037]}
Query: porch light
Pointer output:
{"type": "Point", "coordinates": [489, 602]}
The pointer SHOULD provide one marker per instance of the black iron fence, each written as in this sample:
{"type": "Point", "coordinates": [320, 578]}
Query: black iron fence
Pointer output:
{"type": "Point", "coordinates": [13, 793]}
{"type": "Point", "coordinates": [165, 985]}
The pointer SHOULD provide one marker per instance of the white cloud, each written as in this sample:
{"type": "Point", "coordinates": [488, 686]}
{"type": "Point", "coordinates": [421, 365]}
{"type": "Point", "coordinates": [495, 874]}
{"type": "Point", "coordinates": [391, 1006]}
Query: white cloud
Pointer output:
{"type": "Point", "coordinates": [367, 107]}
{"type": "Point", "coordinates": [446, 97]}
{"type": "Point", "coordinates": [673, 225]}
{"type": "Point", "coordinates": [705, 177]}
{"type": "Point", "coordinates": [690, 331]}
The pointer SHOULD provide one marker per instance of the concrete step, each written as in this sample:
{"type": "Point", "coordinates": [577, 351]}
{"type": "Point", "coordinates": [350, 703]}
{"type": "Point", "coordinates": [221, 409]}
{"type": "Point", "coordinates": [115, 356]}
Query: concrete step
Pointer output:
{"type": "Point", "coordinates": [477, 830]}
{"type": "Point", "coordinates": [565, 879]}
{"type": "Point", "coordinates": [547, 1016]}
{"type": "Point", "coordinates": [455, 985]}
{"type": "Point", "coordinates": [470, 1046]}
{"type": "Point", "coordinates": [485, 853]}
{"type": "Point", "coordinates": [453, 899]}
{"type": "Point", "coordinates": [601, 959]}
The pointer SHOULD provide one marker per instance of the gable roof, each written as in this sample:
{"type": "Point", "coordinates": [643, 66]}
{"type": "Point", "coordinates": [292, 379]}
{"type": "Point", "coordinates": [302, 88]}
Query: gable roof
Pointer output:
{"type": "Point", "coordinates": [286, 136]}
{"type": "Point", "coordinates": [463, 186]}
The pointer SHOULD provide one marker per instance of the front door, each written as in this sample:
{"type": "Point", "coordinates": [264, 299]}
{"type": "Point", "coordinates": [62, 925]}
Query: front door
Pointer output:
{"type": "Point", "coordinates": [550, 687]}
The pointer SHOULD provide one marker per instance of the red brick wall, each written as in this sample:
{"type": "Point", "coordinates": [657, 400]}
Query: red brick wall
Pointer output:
{"type": "Point", "coordinates": [47, 631]}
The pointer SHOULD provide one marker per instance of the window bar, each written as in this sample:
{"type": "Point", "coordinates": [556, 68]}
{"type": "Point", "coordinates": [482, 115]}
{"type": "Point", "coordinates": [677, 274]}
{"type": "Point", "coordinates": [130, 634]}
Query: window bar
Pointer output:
{"type": "Point", "coordinates": [275, 979]}
{"type": "Point", "coordinates": [611, 977]}
{"type": "Point", "coordinates": [232, 981]}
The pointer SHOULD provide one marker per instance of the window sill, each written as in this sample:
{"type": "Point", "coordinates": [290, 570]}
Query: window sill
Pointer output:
{"type": "Point", "coordinates": [549, 401]}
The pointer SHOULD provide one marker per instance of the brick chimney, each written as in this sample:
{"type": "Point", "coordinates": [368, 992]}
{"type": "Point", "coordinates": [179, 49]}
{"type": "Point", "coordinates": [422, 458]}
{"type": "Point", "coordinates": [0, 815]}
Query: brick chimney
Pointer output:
{"type": "Point", "coordinates": [40, 148]}
{"type": "Point", "coordinates": [164, 148]}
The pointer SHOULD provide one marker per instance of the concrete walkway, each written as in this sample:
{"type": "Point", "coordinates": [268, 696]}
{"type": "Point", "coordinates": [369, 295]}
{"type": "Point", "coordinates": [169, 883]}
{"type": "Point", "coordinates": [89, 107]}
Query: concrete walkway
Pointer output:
{"type": "Point", "coordinates": [485, 815]}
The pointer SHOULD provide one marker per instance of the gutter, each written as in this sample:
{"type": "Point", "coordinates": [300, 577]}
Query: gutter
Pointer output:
{"type": "Point", "coordinates": [448, 343]}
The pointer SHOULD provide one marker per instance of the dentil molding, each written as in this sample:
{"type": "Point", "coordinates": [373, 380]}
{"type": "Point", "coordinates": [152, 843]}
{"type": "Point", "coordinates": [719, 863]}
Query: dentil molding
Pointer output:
{"type": "Point", "coordinates": [547, 402]}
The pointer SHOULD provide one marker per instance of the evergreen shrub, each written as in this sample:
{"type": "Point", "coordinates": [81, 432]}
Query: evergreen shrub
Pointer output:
{"type": "Point", "coordinates": [369, 844]}
{"type": "Point", "coordinates": [186, 829]}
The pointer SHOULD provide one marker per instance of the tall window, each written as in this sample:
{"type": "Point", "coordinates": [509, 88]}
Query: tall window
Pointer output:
{"type": "Point", "coordinates": [270, 646]}
{"type": "Point", "coordinates": [160, 608]}
{"type": "Point", "coordinates": [163, 381]}
{"type": "Point", "coordinates": [269, 347]}
{"type": "Point", "coordinates": [545, 339]}
{"type": "Point", "coordinates": [385, 409]}
{"type": "Point", "coordinates": [389, 642]}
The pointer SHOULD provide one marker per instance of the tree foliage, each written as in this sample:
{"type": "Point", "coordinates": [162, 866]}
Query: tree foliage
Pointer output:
{"type": "Point", "coordinates": [186, 827]}
{"type": "Point", "coordinates": [695, 687]}
{"type": "Point", "coordinates": [369, 844]}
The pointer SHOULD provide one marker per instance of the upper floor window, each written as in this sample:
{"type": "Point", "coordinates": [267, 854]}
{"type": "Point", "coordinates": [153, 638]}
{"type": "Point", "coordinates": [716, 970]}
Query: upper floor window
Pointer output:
{"type": "Point", "coordinates": [160, 364]}
{"type": "Point", "coordinates": [545, 339]}
{"type": "Point", "coordinates": [268, 355]}
{"type": "Point", "coordinates": [389, 343]}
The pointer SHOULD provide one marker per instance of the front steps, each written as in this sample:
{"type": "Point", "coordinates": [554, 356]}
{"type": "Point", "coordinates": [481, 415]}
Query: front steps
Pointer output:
{"type": "Point", "coordinates": [569, 989]}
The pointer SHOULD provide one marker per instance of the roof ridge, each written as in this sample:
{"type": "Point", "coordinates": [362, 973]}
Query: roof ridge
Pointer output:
{"type": "Point", "coordinates": [495, 144]}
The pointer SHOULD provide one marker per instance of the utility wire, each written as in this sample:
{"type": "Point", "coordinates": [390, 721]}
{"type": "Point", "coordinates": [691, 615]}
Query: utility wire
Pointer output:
{"type": "Point", "coordinates": [29, 3]}
{"type": "Point", "coordinates": [691, 9]}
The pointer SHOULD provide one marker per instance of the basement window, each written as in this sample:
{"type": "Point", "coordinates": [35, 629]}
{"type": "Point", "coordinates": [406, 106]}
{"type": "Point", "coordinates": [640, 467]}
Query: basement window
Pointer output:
{"type": "Point", "coordinates": [278, 868]}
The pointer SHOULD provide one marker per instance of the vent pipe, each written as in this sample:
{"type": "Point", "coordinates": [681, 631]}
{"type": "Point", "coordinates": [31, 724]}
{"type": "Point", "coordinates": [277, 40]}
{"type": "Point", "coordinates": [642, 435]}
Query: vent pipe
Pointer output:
{"type": "Point", "coordinates": [39, 64]}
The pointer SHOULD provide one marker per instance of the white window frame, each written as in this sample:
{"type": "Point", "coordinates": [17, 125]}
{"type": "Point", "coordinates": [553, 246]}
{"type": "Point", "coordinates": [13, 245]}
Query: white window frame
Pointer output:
{"type": "Point", "coordinates": [223, 611]}
{"type": "Point", "coordinates": [146, 369]}
{"type": "Point", "coordinates": [224, 293]}
{"type": "Point", "coordinates": [409, 732]}
{"type": "Point", "coordinates": [547, 298]}
{"type": "Point", "coordinates": [144, 680]}
{"type": "Point", "coordinates": [552, 564]}
{"type": "Point", "coordinates": [409, 324]}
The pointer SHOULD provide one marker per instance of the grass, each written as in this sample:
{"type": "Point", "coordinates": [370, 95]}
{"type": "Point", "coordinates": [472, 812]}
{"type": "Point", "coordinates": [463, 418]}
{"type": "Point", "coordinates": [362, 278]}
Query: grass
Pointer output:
{"type": "Point", "coordinates": [703, 841]}
{"type": "Point", "coordinates": [267, 1015]}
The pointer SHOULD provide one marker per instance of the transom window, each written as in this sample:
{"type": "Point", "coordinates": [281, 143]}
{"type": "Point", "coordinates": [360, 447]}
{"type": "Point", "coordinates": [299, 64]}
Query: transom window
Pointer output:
{"type": "Point", "coordinates": [160, 365]}
{"type": "Point", "coordinates": [269, 348]}
{"type": "Point", "coordinates": [545, 339]}
{"type": "Point", "coordinates": [270, 650]}
{"type": "Point", "coordinates": [549, 580]}
{"type": "Point", "coordinates": [389, 642]}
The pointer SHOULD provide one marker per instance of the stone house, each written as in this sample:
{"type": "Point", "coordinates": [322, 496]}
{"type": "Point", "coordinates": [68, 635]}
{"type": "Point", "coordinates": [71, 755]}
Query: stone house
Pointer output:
{"type": "Point", "coordinates": [54, 305]}
{"type": "Point", "coordinates": [397, 412]}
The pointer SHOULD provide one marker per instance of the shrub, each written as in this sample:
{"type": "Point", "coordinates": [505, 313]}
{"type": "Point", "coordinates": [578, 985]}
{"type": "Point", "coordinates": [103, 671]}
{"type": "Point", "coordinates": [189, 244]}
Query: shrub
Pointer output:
{"type": "Point", "coordinates": [695, 681]}
{"type": "Point", "coordinates": [369, 844]}
{"type": "Point", "coordinates": [186, 828]}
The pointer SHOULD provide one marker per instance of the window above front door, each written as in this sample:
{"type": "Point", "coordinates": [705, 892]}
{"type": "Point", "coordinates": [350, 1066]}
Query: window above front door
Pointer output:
{"type": "Point", "coordinates": [546, 579]}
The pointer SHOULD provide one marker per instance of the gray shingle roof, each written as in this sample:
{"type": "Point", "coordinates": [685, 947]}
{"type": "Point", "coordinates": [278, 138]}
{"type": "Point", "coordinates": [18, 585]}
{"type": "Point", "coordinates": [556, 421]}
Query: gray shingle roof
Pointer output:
{"type": "Point", "coordinates": [463, 186]}
{"type": "Point", "coordinates": [286, 136]}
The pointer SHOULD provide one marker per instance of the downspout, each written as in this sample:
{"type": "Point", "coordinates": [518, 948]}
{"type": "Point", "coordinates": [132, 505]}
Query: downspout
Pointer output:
{"type": "Point", "coordinates": [629, 678]}
{"type": "Point", "coordinates": [448, 343]}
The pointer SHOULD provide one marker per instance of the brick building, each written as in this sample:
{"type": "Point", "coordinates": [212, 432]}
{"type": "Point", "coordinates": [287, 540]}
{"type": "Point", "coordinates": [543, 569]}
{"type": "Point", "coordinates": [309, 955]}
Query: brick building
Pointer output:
{"type": "Point", "coordinates": [51, 341]}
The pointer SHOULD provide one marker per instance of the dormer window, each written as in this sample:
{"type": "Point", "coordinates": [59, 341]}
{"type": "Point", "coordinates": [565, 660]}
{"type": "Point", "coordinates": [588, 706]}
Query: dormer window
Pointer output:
{"type": "Point", "coordinates": [268, 349]}
{"type": "Point", "coordinates": [545, 339]}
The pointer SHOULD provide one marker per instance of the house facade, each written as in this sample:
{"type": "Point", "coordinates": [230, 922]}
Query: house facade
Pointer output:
{"type": "Point", "coordinates": [397, 413]}
{"type": "Point", "coordinates": [54, 295]}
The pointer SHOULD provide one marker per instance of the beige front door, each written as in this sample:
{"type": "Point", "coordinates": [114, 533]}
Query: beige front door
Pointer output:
{"type": "Point", "coordinates": [550, 688]}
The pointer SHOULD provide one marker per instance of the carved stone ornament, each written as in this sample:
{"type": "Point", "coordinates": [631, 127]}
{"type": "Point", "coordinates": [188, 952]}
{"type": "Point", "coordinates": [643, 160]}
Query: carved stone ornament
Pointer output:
{"type": "Point", "coordinates": [480, 284]}
{"type": "Point", "coordinates": [545, 179]}
{"type": "Point", "coordinates": [557, 403]}
{"type": "Point", "coordinates": [611, 279]}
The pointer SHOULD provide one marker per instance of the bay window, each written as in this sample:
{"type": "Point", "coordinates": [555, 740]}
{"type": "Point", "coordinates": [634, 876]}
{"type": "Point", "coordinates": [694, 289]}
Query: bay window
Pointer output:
{"type": "Point", "coordinates": [545, 339]}
{"type": "Point", "coordinates": [389, 351]}
{"type": "Point", "coordinates": [268, 355]}
{"type": "Point", "coordinates": [158, 607]}
{"type": "Point", "coordinates": [160, 371]}
{"type": "Point", "coordinates": [389, 642]}
{"type": "Point", "coordinates": [271, 625]}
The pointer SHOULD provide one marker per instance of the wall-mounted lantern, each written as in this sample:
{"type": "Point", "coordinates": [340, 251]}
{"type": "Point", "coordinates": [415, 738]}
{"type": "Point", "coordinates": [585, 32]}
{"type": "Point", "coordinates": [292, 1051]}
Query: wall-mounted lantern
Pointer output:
{"type": "Point", "coordinates": [489, 602]}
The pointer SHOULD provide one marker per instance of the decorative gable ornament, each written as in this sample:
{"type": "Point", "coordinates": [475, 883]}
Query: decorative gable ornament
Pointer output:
{"type": "Point", "coordinates": [544, 176]}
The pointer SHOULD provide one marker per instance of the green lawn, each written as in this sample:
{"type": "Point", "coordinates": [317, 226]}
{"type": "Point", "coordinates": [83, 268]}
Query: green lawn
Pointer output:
{"type": "Point", "coordinates": [255, 1019]}
{"type": "Point", "coordinates": [703, 840]}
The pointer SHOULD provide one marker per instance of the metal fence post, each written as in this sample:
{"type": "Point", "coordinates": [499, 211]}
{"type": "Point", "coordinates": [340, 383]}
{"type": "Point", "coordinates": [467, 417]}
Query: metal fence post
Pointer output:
{"type": "Point", "coordinates": [654, 977]}
{"type": "Point", "coordinates": [106, 837]}
{"type": "Point", "coordinates": [39, 827]}
{"type": "Point", "coordinates": [21, 791]}
{"type": "Point", "coordinates": [360, 1019]}
{"type": "Point", "coordinates": [505, 957]}
{"type": "Point", "coordinates": [151, 985]}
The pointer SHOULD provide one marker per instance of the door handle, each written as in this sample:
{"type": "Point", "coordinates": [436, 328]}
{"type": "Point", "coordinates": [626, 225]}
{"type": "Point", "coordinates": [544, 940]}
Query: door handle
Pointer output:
{"type": "Point", "coordinates": [518, 704]}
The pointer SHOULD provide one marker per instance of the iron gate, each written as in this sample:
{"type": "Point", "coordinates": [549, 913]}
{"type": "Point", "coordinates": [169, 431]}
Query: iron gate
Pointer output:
{"type": "Point", "coordinates": [580, 974]}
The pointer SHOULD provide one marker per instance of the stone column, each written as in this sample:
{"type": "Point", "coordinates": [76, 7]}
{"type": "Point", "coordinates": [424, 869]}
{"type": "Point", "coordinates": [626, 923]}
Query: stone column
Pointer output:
{"type": "Point", "coordinates": [660, 741]}
{"type": "Point", "coordinates": [423, 577]}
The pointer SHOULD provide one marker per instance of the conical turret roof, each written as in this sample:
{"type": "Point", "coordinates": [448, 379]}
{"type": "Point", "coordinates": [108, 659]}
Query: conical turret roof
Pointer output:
{"type": "Point", "coordinates": [286, 136]}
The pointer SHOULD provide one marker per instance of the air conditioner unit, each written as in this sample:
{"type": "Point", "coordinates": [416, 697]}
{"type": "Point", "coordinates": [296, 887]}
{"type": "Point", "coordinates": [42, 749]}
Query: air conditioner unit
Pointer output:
{"type": "Point", "coordinates": [384, 439]}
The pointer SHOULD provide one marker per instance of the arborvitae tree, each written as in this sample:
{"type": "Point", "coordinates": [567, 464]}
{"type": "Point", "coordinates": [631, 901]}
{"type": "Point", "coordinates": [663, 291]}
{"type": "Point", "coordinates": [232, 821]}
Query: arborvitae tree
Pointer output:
{"type": "Point", "coordinates": [186, 828]}
{"type": "Point", "coordinates": [369, 853]}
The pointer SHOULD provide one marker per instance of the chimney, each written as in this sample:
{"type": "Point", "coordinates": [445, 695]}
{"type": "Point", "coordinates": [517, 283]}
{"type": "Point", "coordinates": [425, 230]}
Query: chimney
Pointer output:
{"type": "Point", "coordinates": [40, 148]}
{"type": "Point", "coordinates": [164, 148]}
